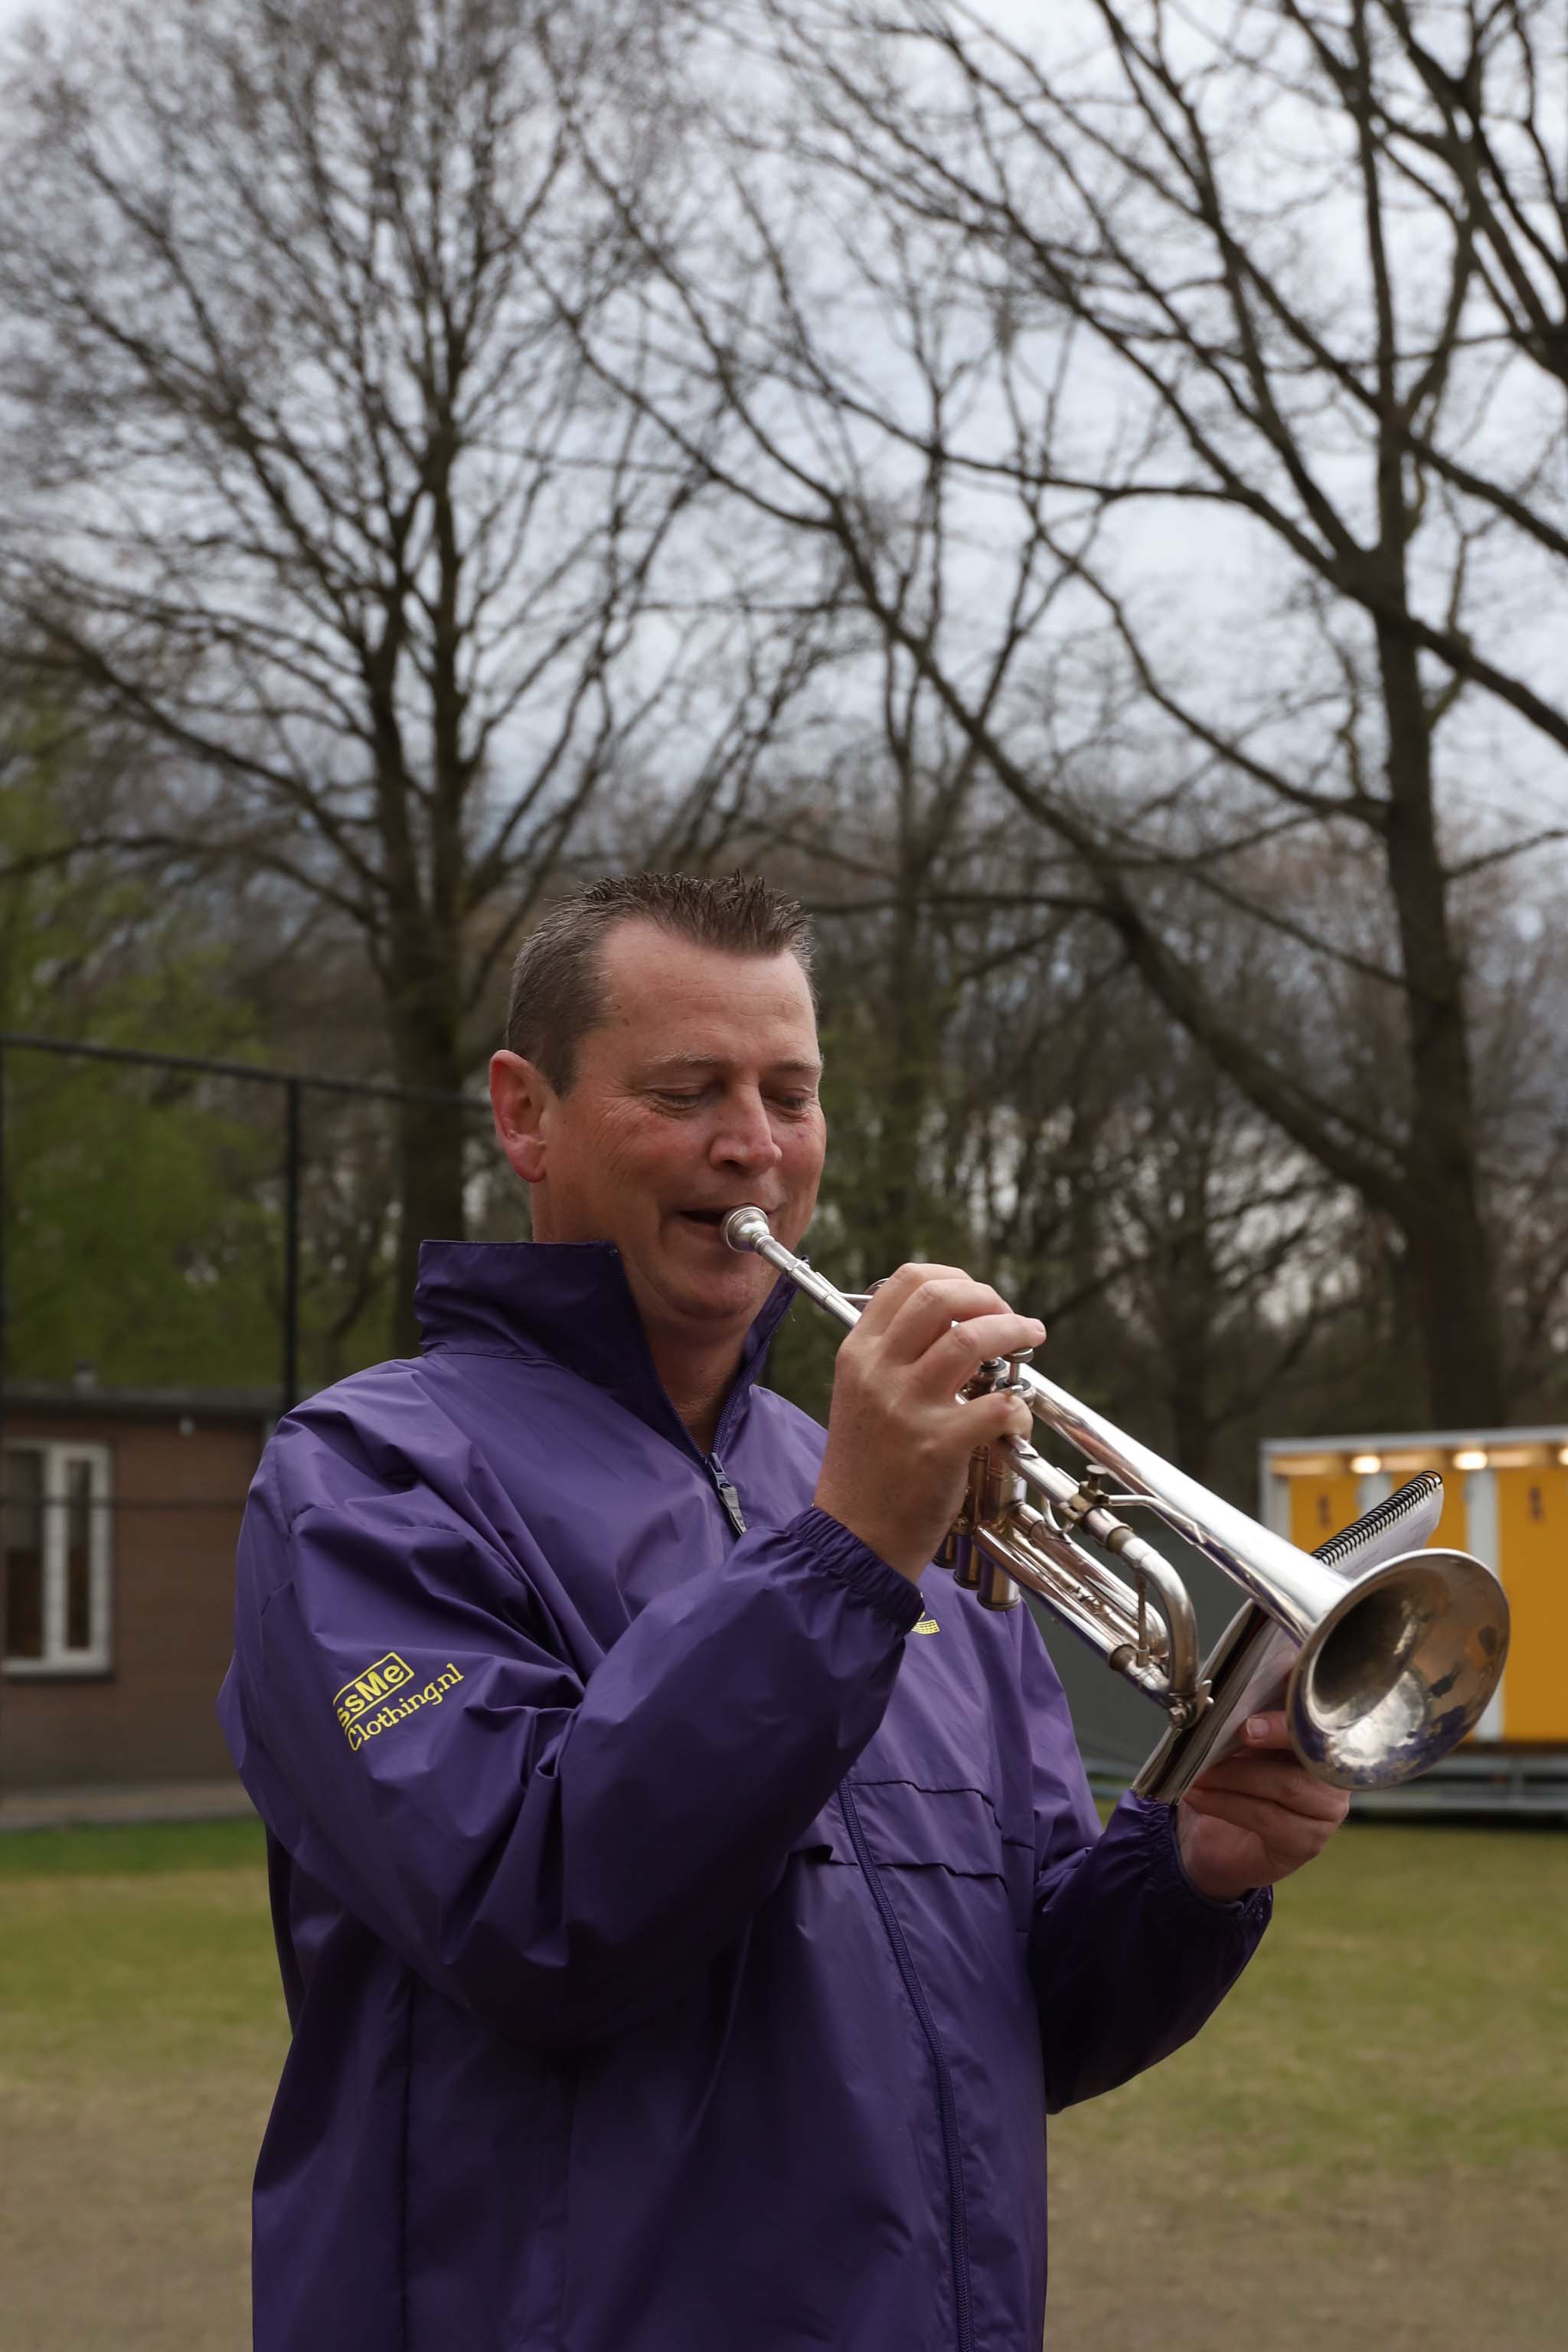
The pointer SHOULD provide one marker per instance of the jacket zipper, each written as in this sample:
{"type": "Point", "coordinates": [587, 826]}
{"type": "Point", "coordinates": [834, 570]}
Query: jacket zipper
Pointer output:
{"type": "Point", "coordinates": [726, 1492]}
{"type": "Point", "coordinates": [947, 2105]}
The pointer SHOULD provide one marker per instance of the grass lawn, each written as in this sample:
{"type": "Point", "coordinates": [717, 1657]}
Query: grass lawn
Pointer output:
{"type": "Point", "coordinates": [1368, 2147]}
{"type": "Point", "coordinates": [141, 2027]}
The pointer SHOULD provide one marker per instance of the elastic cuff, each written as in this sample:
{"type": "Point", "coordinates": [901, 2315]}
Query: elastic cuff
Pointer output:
{"type": "Point", "coordinates": [867, 1575]}
{"type": "Point", "coordinates": [1159, 1822]}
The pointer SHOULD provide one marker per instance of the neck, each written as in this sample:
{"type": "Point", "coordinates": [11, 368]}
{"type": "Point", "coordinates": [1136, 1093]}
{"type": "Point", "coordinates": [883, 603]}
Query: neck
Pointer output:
{"type": "Point", "coordinates": [697, 1385]}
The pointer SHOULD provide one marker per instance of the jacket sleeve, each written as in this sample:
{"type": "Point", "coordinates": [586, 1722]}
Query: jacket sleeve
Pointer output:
{"type": "Point", "coordinates": [1126, 1957]}
{"type": "Point", "coordinates": [558, 1854]}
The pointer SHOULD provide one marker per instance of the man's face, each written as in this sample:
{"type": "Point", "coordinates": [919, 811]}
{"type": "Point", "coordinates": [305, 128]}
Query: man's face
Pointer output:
{"type": "Point", "coordinates": [697, 1093]}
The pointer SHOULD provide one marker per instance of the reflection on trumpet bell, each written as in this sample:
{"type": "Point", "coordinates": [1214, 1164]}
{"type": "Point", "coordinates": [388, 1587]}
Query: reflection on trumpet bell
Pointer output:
{"type": "Point", "coordinates": [1383, 1675]}
{"type": "Point", "coordinates": [1399, 1670]}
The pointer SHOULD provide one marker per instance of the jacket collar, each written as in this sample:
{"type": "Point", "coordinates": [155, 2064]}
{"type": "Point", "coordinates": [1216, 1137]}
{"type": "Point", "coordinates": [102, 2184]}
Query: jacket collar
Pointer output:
{"type": "Point", "coordinates": [572, 1301]}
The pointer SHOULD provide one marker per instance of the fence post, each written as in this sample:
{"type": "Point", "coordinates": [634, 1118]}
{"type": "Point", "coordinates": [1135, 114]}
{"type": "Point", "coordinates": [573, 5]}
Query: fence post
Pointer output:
{"type": "Point", "coordinates": [4, 1347]}
{"type": "Point", "coordinates": [293, 1094]}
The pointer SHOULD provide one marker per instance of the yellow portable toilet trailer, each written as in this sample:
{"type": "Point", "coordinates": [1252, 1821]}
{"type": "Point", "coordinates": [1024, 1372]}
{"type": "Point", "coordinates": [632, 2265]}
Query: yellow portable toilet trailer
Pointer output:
{"type": "Point", "coordinates": [1505, 1498]}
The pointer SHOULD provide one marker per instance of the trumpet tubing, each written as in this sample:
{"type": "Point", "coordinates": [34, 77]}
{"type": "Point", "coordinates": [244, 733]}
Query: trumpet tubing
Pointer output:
{"type": "Point", "coordinates": [1383, 1673]}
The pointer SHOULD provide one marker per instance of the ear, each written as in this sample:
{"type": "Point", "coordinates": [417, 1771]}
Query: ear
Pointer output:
{"type": "Point", "coordinates": [520, 1095]}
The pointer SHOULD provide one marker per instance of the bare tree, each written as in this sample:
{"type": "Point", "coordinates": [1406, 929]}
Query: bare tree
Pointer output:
{"type": "Point", "coordinates": [1466, 99]}
{"type": "Point", "coordinates": [308, 482]}
{"type": "Point", "coordinates": [1033, 1115]}
{"type": "Point", "coordinates": [1177, 274]}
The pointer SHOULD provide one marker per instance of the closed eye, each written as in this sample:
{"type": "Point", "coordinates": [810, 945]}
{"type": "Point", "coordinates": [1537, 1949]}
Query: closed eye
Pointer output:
{"type": "Point", "coordinates": [795, 1102]}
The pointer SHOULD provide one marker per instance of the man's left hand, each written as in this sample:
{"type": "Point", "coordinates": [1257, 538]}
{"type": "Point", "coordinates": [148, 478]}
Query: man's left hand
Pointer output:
{"type": "Point", "coordinates": [1255, 1817]}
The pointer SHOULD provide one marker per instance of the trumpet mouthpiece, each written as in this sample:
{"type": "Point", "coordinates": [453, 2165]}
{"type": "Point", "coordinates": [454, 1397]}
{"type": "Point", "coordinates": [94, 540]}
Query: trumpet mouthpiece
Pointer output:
{"type": "Point", "coordinates": [744, 1228]}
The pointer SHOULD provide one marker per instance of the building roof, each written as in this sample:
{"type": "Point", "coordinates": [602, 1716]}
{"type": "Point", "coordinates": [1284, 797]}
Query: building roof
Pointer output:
{"type": "Point", "coordinates": [1552, 1432]}
{"type": "Point", "coordinates": [73, 1398]}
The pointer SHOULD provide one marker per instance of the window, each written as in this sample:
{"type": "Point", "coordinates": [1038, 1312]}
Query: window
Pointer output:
{"type": "Point", "coordinates": [56, 1560]}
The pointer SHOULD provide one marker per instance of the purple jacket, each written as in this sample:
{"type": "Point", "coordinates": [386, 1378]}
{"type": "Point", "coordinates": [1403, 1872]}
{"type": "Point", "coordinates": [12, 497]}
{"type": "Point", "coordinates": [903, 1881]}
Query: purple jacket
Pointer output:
{"type": "Point", "coordinates": [684, 1933]}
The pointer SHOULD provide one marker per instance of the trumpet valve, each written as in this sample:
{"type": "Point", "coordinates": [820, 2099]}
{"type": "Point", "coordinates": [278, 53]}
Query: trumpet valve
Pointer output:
{"type": "Point", "coordinates": [957, 1552]}
{"type": "Point", "coordinates": [999, 1372]}
{"type": "Point", "coordinates": [995, 1589]}
{"type": "Point", "coordinates": [995, 1489]}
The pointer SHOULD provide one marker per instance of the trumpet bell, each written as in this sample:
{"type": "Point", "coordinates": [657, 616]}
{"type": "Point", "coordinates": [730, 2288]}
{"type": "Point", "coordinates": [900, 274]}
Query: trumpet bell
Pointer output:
{"type": "Point", "coordinates": [1398, 1670]}
{"type": "Point", "coordinates": [1381, 1676]}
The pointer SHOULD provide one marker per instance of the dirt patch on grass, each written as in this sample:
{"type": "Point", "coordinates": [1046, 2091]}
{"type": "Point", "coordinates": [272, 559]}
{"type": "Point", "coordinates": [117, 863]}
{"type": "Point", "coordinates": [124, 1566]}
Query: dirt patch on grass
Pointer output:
{"type": "Point", "coordinates": [141, 2034]}
{"type": "Point", "coordinates": [1367, 2148]}
{"type": "Point", "coordinates": [1439, 2266]}
{"type": "Point", "coordinates": [123, 2222]}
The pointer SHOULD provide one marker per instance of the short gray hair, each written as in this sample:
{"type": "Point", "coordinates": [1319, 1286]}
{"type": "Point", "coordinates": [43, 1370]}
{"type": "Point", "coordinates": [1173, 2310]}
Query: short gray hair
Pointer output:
{"type": "Point", "coordinates": [558, 978]}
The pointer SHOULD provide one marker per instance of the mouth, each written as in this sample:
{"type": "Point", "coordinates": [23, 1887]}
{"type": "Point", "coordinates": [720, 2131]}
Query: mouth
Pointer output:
{"type": "Point", "coordinates": [713, 1219]}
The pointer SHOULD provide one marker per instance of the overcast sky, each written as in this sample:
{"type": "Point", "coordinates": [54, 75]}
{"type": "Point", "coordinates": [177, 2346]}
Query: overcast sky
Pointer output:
{"type": "Point", "coordinates": [1497, 773]}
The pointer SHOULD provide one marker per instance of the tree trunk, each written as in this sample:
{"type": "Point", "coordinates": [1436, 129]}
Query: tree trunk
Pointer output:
{"type": "Point", "coordinates": [430, 1152]}
{"type": "Point", "coordinates": [1449, 1249]}
{"type": "Point", "coordinates": [899, 1186]}
{"type": "Point", "coordinates": [422, 1019]}
{"type": "Point", "coordinates": [1190, 1280]}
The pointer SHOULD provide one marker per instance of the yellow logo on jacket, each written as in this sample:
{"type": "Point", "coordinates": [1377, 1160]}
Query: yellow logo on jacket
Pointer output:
{"type": "Point", "coordinates": [368, 1690]}
{"type": "Point", "coordinates": [927, 1625]}
{"type": "Point", "coordinates": [384, 1688]}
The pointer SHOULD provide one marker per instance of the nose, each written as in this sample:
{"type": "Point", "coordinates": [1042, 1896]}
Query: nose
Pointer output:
{"type": "Point", "coordinates": [744, 1136]}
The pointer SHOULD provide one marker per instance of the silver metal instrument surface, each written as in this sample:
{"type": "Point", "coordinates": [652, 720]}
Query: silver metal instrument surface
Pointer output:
{"type": "Point", "coordinates": [1385, 1664]}
{"type": "Point", "coordinates": [1249, 1666]}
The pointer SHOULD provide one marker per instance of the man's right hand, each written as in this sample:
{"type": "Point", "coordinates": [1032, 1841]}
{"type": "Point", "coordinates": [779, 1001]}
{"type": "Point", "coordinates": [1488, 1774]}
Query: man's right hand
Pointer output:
{"type": "Point", "coordinates": [899, 1436]}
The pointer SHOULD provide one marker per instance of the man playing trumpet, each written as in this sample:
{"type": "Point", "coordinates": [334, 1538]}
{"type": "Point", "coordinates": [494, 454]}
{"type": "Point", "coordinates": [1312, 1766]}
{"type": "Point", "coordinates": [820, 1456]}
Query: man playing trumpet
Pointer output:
{"type": "Point", "coordinates": [689, 1908]}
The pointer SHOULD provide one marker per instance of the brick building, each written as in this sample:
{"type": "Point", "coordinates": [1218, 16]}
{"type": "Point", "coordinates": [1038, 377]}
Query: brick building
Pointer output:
{"type": "Point", "coordinates": [122, 1512]}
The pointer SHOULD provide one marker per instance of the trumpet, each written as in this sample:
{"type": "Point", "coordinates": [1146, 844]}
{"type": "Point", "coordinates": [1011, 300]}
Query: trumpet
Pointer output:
{"type": "Point", "coordinates": [1380, 1673]}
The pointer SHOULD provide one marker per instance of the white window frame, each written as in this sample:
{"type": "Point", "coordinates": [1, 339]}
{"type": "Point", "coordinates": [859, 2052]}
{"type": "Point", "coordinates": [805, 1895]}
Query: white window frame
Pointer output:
{"type": "Point", "coordinates": [59, 1457]}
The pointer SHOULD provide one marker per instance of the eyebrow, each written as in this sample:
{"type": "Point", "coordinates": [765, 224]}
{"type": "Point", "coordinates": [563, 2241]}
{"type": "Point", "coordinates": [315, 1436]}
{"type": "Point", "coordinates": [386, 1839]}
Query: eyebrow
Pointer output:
{"type": "Point", "coordinates": [689, 1064]}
